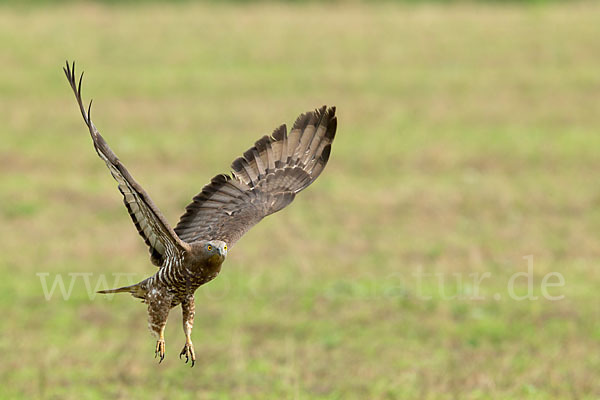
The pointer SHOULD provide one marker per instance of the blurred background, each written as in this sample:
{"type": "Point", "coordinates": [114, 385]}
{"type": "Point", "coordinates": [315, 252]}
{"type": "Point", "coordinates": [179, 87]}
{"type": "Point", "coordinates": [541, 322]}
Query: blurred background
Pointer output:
{"type": "Point", "coordinates": [467, 152]}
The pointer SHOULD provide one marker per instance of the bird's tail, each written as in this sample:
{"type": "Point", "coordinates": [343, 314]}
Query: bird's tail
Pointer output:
{"type": "Point", "coordinates": [137, 290]}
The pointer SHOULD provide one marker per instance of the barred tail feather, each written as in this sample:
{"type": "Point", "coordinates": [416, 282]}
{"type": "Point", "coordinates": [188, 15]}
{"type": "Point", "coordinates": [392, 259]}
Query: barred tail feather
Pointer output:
{"type": "Point", "coordinates": [137, 290]}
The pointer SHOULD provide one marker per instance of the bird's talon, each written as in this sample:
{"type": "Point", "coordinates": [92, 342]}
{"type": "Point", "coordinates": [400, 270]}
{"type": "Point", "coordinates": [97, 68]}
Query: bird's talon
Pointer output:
{"type": "Point", "coordinates": [188, 351]}
{"type": "Point", "coordinates": [160, 350]}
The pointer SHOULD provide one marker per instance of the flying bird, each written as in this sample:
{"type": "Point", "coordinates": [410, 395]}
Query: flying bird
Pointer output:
{"type": "Point", "coordinates": [263, 181]}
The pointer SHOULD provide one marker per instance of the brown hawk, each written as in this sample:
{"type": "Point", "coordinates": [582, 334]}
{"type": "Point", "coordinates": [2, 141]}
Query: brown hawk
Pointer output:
{"type": "Point", "coordinates": [262, 182]}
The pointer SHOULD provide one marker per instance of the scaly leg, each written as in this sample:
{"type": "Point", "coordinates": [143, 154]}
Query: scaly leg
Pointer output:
{"type": "Point", "coordinates": [188, 308]}
{"type": "Point", "coordinates": [159, 304]}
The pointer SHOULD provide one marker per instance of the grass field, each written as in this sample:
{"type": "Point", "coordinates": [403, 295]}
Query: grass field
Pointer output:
{"type": "Point", "coordinates": [468, 139]}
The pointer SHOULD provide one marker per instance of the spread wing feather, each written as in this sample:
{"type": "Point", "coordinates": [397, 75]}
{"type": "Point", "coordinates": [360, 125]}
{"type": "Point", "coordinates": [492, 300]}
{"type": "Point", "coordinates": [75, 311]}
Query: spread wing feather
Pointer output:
{"type": "Point", "coordinates": [149, 221]}
{"type": "Point", "coordinates": [263, 181]}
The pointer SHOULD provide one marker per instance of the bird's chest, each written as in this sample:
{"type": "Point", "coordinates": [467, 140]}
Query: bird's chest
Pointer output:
{"type": "Point", "coordinates": [197, 275]}
{"type": "Point", "coordinates": [206, 272]}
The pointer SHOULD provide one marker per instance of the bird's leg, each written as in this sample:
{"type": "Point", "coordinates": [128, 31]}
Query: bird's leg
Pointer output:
{"type": "Point", "coordinates": [187, 306]}
{"type": "Point", "coordinates": [159, 304]}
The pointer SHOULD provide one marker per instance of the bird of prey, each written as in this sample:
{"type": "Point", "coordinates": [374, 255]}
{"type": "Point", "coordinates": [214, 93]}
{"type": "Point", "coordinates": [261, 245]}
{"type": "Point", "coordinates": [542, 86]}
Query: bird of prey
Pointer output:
{"type": "Point", "coordinates": [263, 181]}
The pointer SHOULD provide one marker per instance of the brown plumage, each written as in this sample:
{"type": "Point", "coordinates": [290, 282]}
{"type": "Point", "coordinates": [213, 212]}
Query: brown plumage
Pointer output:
{"type": "Point", "coordinates": [262, 182]}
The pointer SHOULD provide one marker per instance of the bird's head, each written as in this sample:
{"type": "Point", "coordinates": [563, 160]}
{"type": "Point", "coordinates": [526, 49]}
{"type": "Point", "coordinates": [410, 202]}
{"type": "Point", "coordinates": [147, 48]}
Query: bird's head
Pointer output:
{"type": "Point", "coordinates": [215, 250]}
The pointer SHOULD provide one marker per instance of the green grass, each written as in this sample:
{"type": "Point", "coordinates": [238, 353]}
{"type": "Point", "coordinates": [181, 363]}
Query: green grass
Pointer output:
{"type": "Point", "coordinates": [467, 140]}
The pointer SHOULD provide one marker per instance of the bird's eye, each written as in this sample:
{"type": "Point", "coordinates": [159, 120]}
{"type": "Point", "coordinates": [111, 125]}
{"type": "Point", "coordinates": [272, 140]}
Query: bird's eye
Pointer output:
{"type": "Point", "coordinates": [224, 247]}
{"type": "Point", "coordinates": [209, 248]}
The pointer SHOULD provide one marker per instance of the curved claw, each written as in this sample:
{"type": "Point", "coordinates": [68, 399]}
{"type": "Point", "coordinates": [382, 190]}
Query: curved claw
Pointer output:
{"type": "Point", "coordinates": [160, 350]}
{"type": "Point", "coordinates": [188, 352]}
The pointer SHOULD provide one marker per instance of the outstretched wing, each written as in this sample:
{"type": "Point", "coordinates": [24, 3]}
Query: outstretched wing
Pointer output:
{"type": "Point", "coordinates": [150, 223]}
{"type": "Point", "coordinates": [263, 181]}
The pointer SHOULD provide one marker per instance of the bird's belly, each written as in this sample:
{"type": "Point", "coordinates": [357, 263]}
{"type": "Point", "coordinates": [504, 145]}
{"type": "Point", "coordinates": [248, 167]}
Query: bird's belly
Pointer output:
{"type": "Point", "coordinates": [191, 282]}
